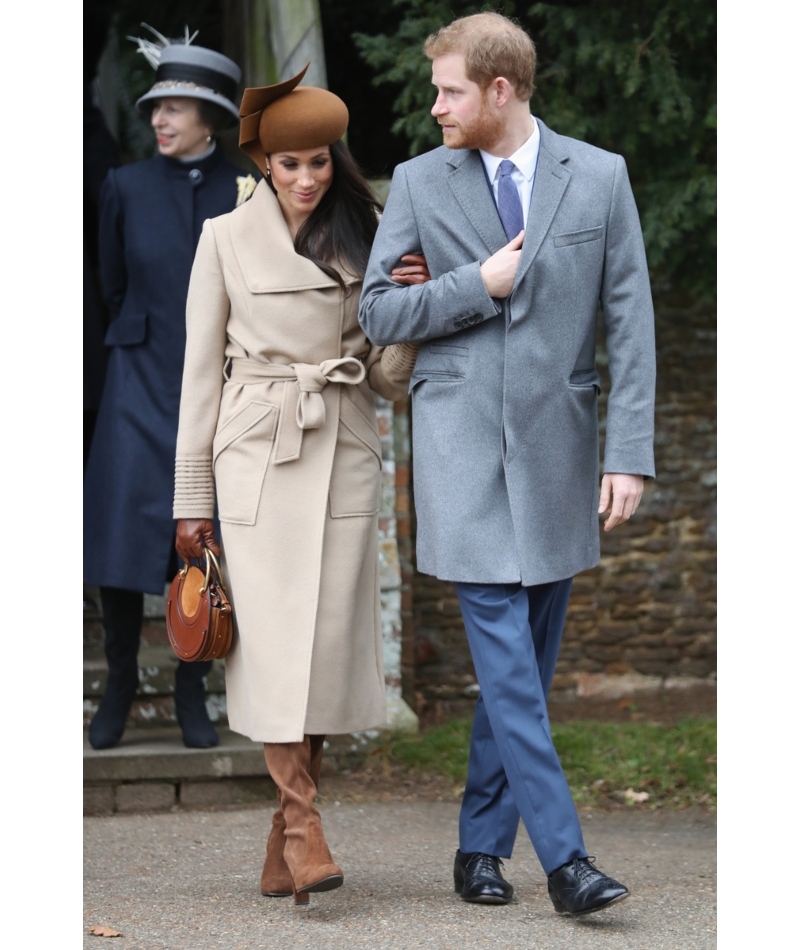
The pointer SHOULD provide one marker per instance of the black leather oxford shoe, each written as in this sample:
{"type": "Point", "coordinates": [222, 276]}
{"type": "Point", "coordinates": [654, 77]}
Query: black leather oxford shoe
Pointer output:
{"type": "Point", "coordinates": [577, 887]}
{"type": "Point", "coordinates": [477, 878]}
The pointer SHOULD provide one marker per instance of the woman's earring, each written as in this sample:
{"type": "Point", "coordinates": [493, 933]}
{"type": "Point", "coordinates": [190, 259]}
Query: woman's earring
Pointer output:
{"type": "Point", "coordinates": [208, 138]}
{"type": "Point", "coordinates": [269, 172]}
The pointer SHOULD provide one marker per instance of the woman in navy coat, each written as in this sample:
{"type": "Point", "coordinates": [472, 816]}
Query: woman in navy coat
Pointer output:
{"type": "Point", "coordinates": [152, 213]}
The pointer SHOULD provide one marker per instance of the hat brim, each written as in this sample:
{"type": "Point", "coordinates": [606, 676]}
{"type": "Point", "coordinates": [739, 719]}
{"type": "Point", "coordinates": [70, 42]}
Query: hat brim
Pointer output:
{"type": "Point", "coordinates": [187, 92]}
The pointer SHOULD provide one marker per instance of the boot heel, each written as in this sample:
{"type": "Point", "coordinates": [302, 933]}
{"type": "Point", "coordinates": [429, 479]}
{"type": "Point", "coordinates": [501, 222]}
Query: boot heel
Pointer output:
{"type": "Point", "coordinates": [301, 901]}
{"type": "Point", "coordinates": [329, 883]}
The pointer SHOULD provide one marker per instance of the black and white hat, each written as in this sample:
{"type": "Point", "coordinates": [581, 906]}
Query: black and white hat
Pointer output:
{"type": "Point", "coordinates": [191, 71]}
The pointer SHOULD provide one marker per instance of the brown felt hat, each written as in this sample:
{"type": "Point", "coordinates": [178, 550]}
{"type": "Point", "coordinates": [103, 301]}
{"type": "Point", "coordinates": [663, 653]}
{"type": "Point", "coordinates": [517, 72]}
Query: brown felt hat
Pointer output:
{"type": "Point", "coordinates": [284, 118]}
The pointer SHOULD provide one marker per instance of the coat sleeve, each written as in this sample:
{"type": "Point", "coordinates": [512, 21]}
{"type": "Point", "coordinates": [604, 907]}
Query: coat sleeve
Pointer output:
{"type": "Point", "coordinates": [207, 309]}
{"type": "Point", "coordinates": [389, 369]}
{"type": "Point", "coordinates": [390, 313]}
{"type": "Point", "coordinates": [630, 337]}
{"type": "Point", "coordinates": [111, 247]}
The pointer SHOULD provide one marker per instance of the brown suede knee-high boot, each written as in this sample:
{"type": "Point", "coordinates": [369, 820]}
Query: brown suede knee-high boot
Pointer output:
{"type": "Point", "coordinates": [276, 879]}
{"type": "Point", "coordinates": [306, 852]}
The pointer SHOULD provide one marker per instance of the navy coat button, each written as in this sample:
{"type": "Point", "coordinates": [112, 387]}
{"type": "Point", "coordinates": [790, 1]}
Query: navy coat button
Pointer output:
{"type": "Point", "coordinates": [195, 176]}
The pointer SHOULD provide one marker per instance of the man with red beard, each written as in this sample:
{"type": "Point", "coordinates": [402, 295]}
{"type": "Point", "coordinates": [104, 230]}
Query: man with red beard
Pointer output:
{"type": "Point", "coordinates": [525, 233]}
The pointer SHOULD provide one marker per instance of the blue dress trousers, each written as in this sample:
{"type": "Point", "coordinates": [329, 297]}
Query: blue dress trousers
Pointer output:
{"type": "Point", "coordinates": [514, 634]}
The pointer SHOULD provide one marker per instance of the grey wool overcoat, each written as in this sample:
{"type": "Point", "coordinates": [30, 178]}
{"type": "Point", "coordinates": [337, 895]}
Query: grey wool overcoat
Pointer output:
{"type": "Point", "coordinates": [505, 393]}
{"type": "Point", "coordinates": [277, 420]}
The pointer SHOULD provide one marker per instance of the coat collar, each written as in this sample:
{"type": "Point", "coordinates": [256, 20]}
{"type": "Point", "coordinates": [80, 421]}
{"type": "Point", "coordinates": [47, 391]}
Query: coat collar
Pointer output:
{"type": "Point", "coordinates": [472, 191]}
{"type": "Point", "coordinates": [549, 185]}
{"type": "Point", "coordinates": [265, 251]}
{"type": "Point", "coordinates": [175, 169]}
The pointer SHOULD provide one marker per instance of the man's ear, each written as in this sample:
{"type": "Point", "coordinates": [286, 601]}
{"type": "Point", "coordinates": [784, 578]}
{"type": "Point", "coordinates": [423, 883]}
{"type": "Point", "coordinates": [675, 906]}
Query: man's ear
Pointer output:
{"type": "Point", "coordinates": [503, 90]}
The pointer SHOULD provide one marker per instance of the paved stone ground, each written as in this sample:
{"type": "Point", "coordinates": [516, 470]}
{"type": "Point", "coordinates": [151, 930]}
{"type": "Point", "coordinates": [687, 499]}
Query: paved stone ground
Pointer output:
{"type": "Point", "coordinates": [189, 881]}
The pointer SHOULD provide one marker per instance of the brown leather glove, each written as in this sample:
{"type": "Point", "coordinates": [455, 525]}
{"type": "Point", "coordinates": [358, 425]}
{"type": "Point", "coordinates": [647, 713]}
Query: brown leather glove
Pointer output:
{"type": "Point", "coordinates": [194, 534]}
{"type": "Point", "coordinates": [415, 272]}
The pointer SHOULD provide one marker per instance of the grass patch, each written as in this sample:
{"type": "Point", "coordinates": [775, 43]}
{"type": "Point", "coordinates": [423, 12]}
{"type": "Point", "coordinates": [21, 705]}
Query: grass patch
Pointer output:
{"type": "Point", "coordinates": [638, 763]}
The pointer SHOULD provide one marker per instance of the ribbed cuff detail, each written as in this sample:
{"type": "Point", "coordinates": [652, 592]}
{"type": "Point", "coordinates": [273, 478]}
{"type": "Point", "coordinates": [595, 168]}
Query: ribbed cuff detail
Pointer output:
{"type": "Point", "coordinates": [398, 361]}
{"type": "Point", "coordinates": [194, 488]}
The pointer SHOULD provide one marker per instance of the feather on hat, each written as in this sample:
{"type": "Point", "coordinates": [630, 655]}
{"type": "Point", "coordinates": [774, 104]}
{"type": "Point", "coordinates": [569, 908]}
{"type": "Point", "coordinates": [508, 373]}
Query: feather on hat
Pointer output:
{"type": "Point", "coordinates": [189, 71]}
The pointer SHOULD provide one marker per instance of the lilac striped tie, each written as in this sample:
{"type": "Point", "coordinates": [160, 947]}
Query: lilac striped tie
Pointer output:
{"type": "Point", "coordinates": [508, 203]}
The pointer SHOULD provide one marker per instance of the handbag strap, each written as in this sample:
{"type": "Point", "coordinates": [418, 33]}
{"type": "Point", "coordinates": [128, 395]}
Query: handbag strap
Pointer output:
{"type": "Point", "coordinates": [212, 560]}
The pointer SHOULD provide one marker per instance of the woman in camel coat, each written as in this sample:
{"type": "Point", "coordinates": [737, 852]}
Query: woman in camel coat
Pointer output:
{"type": "Point", "coordinates": [277, 422]}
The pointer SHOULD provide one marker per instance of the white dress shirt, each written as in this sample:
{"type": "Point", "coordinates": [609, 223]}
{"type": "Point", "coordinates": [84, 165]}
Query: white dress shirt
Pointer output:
{"type": "Point", "coordinates": [525, 159]}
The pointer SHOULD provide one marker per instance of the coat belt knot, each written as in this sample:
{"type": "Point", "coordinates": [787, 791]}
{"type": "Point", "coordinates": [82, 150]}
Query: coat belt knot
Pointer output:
{"type": "Point", "coordinates": [302, 405]}
{"type": "Point", "coordinates": [312, 379]}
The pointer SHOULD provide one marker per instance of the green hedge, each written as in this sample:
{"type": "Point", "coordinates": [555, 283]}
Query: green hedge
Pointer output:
{"type": "Point", "coordinates": [637, 77]}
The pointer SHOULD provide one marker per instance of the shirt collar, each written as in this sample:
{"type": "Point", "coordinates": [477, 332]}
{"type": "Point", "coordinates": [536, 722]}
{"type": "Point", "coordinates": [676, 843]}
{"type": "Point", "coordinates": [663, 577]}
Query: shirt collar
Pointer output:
{"type": "Point", "coordinates": [524, 158]}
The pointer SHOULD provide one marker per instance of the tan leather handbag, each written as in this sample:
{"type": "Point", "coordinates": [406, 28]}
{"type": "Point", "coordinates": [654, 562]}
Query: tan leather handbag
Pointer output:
{"type": "Point", "coordinates": [199, 615]}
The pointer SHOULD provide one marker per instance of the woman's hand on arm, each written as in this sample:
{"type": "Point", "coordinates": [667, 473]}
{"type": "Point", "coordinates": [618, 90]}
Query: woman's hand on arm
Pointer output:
{"type": "Point", "coordinates": [194, 534]}
{"type": "Point", "coordinates": [415, 272]}
{"type": "Point", "coordinates": [398, 359]}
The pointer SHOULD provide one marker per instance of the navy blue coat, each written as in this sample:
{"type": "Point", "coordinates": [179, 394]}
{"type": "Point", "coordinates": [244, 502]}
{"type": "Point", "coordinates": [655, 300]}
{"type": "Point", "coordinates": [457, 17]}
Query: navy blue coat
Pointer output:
{"type": "Point", "coordinates": [151, 215]}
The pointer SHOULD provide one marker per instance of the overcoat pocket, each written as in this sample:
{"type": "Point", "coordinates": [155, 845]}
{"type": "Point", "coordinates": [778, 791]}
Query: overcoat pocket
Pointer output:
{"type": "Point", "coordinates": [355, 488]}
{"type": "Point", "coordinates": [440, 363]}
{"type": "Point", "coordinates": [585, 379]}
{"type": "Point", "coordinates": [578, 237]}
{"type": "Point", "coordinates": [434, 376]}
{"type": "Point", "coordinates": [448, 349]}
{"type": "Point", "coordinates": [242, 447]}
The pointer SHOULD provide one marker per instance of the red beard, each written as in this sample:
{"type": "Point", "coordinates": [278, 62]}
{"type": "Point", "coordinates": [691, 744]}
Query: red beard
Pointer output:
{"type": "Point", "coordinates": [484, 130]}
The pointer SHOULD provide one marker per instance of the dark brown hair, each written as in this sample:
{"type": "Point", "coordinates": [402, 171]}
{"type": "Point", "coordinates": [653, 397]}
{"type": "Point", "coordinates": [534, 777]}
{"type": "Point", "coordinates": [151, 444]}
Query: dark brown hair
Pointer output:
{"type": "Point", "coordinates": [492, 46]}
{"type": "Point", "coordinates": [342, 227]}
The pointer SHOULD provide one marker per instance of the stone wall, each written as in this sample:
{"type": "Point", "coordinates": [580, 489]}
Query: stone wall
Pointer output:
{"type": "Point", "coordinates": [647, 614]}
{"type": "Point", "coordinates": [400, 716]}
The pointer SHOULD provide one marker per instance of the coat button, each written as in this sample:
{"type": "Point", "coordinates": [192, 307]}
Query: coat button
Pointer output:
{"type": "Point", "coordinates": [195, 176]}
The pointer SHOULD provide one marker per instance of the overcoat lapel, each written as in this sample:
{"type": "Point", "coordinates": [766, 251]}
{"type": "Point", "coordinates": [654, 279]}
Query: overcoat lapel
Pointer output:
{"type": "Point", "coordinates": [468, 183]}
{"type": "Point", "coordinates": [549, 185]}
{"type": "Point", "coordinates": [258, 228]}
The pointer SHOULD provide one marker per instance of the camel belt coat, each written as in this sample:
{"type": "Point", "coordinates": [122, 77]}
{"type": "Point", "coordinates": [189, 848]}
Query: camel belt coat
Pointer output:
{"type": "Point", "coordinates": [278, 426]}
